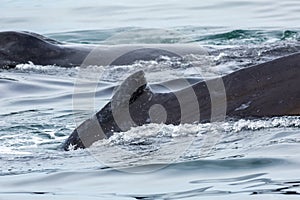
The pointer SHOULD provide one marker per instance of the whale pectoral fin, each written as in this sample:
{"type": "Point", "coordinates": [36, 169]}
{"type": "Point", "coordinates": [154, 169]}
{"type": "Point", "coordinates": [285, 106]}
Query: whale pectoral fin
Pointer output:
{"type": "Point", "coordinates": [132, 87]}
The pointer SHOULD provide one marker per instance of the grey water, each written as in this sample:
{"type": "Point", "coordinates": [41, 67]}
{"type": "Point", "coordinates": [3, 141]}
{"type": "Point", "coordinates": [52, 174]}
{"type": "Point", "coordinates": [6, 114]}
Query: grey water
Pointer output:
{"type": "Point", "coordinates": [233, 159]}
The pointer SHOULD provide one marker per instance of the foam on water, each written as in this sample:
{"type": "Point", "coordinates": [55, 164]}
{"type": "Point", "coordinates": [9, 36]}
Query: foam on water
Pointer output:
{"type": "Point", "coordinates": [155, 143]}
{"type": "Point", "coordinates": [163, 130]}
{"type": "Point", "coordinates": [45, 69]}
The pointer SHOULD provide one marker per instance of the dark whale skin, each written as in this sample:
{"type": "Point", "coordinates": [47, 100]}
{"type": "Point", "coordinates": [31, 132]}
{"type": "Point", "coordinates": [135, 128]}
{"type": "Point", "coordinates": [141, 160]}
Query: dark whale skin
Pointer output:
{"type": "Point", "coordinates": [23, 47]}
{"type": "Point", "coordinates": [269, 89]}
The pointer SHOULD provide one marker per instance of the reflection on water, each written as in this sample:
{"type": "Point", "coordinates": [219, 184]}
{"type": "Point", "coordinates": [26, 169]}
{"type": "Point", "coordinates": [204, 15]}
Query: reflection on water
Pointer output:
{"type": "Point", "coordinates": [238, 177]}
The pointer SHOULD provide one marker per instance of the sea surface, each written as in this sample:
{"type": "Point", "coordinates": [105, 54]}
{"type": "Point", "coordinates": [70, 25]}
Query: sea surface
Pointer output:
{"type": "Point", "coordinates": [231, 159]}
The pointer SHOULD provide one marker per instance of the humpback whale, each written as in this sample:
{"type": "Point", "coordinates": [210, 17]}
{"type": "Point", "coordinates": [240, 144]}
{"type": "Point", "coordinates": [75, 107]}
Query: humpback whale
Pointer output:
{"type": "Point", "coordinates": [264, 90]}
{"type": "Point", "coordinates": [23, 47]}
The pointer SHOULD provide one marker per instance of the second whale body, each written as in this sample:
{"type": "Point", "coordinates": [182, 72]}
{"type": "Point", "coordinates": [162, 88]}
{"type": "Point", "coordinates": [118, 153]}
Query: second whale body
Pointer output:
{"type": "Point", "coordinates": [23, 47]}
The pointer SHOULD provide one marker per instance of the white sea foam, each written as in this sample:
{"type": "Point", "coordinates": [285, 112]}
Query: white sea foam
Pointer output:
{"type": "Point", "coordinates": [198, 130]}
{"type": "Point", "coordinates": [45, 69]}
{"type": "Point", "coordinates": [10, 151]}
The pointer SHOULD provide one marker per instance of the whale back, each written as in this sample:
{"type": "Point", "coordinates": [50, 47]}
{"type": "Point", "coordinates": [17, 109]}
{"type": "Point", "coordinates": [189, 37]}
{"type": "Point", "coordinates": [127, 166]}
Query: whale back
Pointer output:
{"type": "Point", "coordinates": [22, 47]}
{"type": "Point", "coordinates": [265, 90]}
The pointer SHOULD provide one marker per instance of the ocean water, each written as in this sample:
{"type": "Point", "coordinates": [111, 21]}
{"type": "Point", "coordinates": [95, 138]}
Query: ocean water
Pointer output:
{"type": "Point", "coordinates": [233, 159]}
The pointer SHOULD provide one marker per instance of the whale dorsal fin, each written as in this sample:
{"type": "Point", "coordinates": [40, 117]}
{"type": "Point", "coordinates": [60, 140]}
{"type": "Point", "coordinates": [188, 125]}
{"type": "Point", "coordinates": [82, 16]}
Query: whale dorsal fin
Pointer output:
{"type": "Point", "coordinates": [132, 87]}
